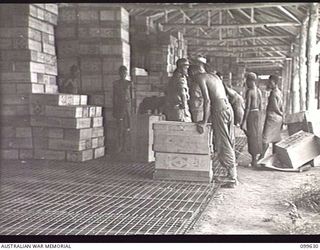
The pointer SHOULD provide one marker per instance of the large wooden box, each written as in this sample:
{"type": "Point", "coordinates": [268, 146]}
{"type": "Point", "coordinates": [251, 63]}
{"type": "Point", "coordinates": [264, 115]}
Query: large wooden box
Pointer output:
{"type": "Point", "coordinates": [181, 137]}
{"type": "Point", "coordinates": [182, 153]}
{"type": "Point", "coordinates": [297, 149]}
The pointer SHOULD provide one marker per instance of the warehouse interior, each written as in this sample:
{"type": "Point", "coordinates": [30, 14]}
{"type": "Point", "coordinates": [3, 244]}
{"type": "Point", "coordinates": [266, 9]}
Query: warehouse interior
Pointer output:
{"type": "Point", "coordinates": [60, 173]}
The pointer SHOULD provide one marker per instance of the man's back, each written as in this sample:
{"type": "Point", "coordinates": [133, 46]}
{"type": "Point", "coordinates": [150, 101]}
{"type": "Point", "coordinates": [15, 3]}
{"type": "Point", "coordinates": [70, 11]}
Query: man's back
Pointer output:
{"type": "Point", "coordinates": [214, 85]}
{"type": "Point", "coordinates": [255, 97]}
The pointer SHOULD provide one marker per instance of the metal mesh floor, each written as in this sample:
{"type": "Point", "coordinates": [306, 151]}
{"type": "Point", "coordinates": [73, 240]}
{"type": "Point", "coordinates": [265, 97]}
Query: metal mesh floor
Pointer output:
{"type": "Point", "coordinates": [95, 198]}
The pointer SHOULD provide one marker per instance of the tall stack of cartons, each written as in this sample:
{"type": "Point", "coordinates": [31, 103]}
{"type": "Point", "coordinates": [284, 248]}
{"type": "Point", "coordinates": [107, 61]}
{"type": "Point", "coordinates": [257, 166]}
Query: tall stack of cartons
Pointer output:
{"type": "Point", "coordinates": [95, 37]}
{"type": "Point", "coordinates": [28, 65]}
{"type": "Point", "coordinates": [64, 127]}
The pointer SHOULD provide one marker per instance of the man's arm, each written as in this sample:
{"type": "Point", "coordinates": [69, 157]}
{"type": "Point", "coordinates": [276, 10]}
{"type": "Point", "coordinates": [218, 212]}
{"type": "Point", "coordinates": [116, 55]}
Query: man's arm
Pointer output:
{"type": "Point", "coordinates": [206, 99]}
{"type": "Point", "coordinates": [247, 109]}
{"type": "Point", "coordinates": [260, 99]}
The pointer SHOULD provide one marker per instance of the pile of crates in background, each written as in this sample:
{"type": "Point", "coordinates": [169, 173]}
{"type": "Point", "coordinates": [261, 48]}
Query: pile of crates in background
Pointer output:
{"type": "Point", "coordinates": [95, 37]}
{"type": "Point", "coordinates": [64, 127]}
{"type": "Point", "coordinates": [227, 65]}
{"type": "Point", "coordinates": [28, 65]}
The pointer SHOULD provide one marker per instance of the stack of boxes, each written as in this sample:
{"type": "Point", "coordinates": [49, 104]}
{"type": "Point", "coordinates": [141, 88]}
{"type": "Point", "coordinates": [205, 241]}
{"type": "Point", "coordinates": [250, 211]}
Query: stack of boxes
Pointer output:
{"type": "Point", "coordinates": [148, 86]}
{"type": "Point", "coordinates": [95, 37]}
{"type": "Point", "coordinates": [165, 50]}
{"type": "Point", "coordinates": [227, 65]}
{"type": "Point", "coordinates": [28, 65]}
{"type": "Point", "coordinates": [181, 153]}
{"type": "Point", "coordinates": [64, 127]}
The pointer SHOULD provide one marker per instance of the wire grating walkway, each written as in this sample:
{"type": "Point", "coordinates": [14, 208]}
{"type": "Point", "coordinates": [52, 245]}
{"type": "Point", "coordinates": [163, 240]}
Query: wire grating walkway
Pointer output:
{"type": "Point", "coordinates": [95, 198]}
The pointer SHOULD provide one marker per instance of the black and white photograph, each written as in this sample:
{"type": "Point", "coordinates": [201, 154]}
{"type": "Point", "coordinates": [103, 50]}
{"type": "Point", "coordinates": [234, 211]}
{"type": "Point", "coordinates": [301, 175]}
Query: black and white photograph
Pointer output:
{"type": "Point", "coordinates": [139, 119]}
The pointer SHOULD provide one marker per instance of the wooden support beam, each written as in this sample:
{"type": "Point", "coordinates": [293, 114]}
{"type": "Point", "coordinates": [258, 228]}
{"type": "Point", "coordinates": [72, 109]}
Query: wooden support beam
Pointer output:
{"type": "Point", "coordinates": [289, 14]}
{"type": "Point", "coordinates": [260, 59]}
{"type": "Point", "coordinates": [302, 63]}
{"type": "Point", "coordinates": [238, 38]}
{"type": "Point", "coordinates": [192, 22]}
{"type": "Point", "coordinates": [232, 26]}
{"type": "Point", "coordinates": [201, 6]}
{"type": "Point", "coordinates": [311, 55]}
{"type": "Point", "coordinates": [239, 47]}
{"type": "Point", "coordinates": [295, 85]}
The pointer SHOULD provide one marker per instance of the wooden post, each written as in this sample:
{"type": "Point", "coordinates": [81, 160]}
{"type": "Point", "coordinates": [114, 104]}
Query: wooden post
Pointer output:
{"type": "Point", "coordinates": [311, 55]}
{"type": "Point", "coordinates": [302, 64]}
{"type": "Point", "coordinates": [288, 85]}
{"type": "Point", "coordinates": [295, 84]}
{"type": "Point", "coordinates": [319, 82]}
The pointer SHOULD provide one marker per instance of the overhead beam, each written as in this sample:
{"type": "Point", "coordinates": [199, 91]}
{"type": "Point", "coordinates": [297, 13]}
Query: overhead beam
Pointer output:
{"type": "Point", "coordinates": [231, 26]}
{"type": "Point", "coordinates": [237, 38]}
{"type": "Point", "coordinates": [255, 59]}
{"type": "Point", "coordinates": [187, 17]}
{"type": "Point", "coordinates": [238, 47]}
{"type": "Point", "coordinates": [203, 6]}
{"type": "Point", "coordinates": [289, 14]}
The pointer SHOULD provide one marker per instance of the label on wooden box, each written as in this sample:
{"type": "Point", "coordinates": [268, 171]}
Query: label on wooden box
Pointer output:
{"type": "Point", "coordinates": [186, 162]}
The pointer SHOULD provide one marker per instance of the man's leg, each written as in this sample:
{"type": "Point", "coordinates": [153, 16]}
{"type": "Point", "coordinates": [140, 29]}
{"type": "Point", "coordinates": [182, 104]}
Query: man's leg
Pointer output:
{"type": "Point", "coordinates": [265, 147]}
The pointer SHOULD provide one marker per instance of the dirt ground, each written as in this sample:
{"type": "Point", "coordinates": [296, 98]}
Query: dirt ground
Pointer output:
{"type": "Point", "coordinates": [258, 205]}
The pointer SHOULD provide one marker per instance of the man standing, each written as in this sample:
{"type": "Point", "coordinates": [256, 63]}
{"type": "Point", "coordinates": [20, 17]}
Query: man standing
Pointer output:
{"type": "Point", "coordinates": [177, 94]}
{"type": "Point", "coordinates": [273, 122]}
{"type": "Point", "coordinates": [251, 124]}
{"type": "Point", "coordinates": [216, 103]}
{"type": "Point", "coordinates": [122, 107]}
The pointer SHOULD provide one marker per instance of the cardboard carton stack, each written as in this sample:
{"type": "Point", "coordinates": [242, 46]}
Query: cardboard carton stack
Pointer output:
{"type": "Point", "coordinates": [95, 37]}
{"type": "Point", "coordinates": [28, 65]}
{"type": "Point", "coordinates": [181, 153]}
{"type": "Point", "coordinates": [64, 127]}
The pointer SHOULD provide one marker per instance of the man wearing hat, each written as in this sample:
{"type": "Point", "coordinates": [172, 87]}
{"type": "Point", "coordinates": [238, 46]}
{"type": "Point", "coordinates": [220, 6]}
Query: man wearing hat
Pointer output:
{"type": "Point", "coordinates": [251, 123]}
{"type": "Point", "coordinates": [177, 94]}
{"type": "Point", "coordinates": [217, 105]}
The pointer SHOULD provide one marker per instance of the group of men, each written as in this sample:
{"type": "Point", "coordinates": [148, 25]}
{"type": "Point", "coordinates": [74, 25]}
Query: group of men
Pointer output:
{"type": "Point", "coordinates": [205, 93]}
{"type": "Point", "coordinates": [198, 94]}
{"type": "Point", "coordinates": [260, 136]}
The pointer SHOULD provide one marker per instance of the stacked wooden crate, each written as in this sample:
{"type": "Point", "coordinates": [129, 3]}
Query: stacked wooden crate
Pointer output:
{"type": "Point", "coordinates": [64, 127]}
{"type": "Point", "coordinates": [27, 65]}
{"type": "Point", "coordinates": [95, 37]}
{"type": "Point", "coordinates": [148, 86]}
{"type": "Point", "coordinates": [227, 65]}
{"type": "Point", "coordinates": [181, 153]}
